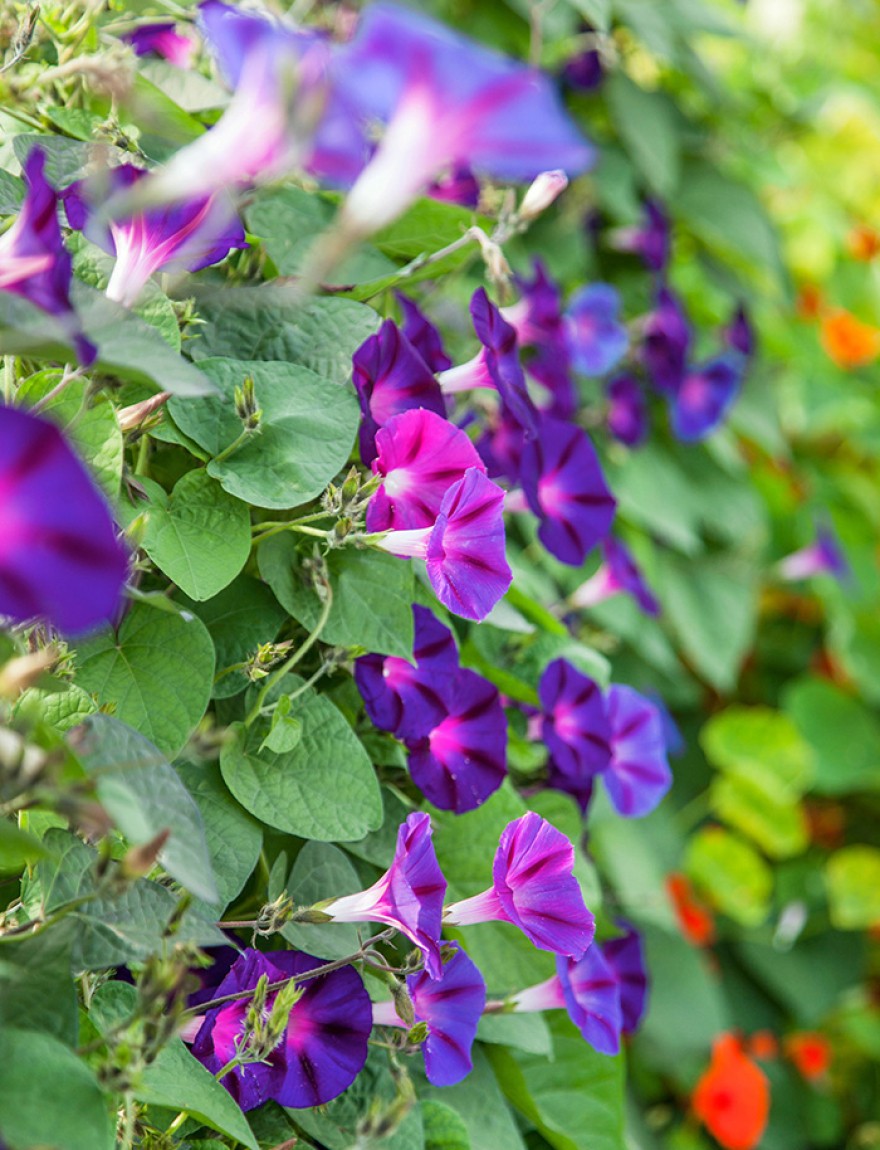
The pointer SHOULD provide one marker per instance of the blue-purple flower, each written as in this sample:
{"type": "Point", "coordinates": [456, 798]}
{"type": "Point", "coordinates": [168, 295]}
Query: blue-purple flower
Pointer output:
{"type": "Point", "coordinates": [638, 775]}
{"type": "Point", "coordinates": [627, 410]}
{"type": "Point", "coordinates": [824, 556]}
{"type": "Point", "coordinates": [597, 340]}
{"type": "Point", "coordinates": [666, 341]}
{"type": "Point", "coordinates": [162, 39]}
{"type": "Point", "coordinates": [423, 335]}
{"type": "Point", "coordinates": [574, 725]}
{"type": "Point", "coordinates": [651, 239]}
{"type": "Point", "coordinates": [704, 396]}
{"type": "Point", "coordinates": [739, 335]}
{"type": "Point", "coordinates": [625, 954]}
{"type": "Point", "coordinates": [618, 574]}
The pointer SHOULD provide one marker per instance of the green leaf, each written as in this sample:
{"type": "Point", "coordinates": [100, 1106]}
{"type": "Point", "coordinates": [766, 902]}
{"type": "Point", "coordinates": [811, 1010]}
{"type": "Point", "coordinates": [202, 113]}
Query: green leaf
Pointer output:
{"type": "Point", "coordinates": [17, 847]}
{"type": "Point", "coordinates": [305, 436]}
{"type": "Point", "coordinates": [372, 595]}
{"type": "Point", "coordinates": [759, 743]}
{"type": "Point", "coordinates": [284, 732]}
{"type": "Point", "coordinates": [49, 1097]}
{"type": "Point", "coordinates": [299, 792]}
{"type": "Point", "coordinates": [444, 1128]}
{"type": "Point", "coordinates": [731, 873]}
{"type": "Point", "coordinates": [647, 122]}
{"type": "Point", "coordinates": [199, 535]}
{"type": "Point", "coordinates": [144, 796]}
{"type": "Point", "coordinates": [526, 1032]}
{"type": "Point", "coordinates": [66, 160]}
{"type": "Point", "coordinates": [322, 871]}
{"type": "Point", "coordinates": [653, 492]}
{"type": "Point", "coordinates": [36, 985]}
{"type": "Point", "coordinates": [595, 12]}
{"type": "Point", "coordinates": [852, 876]}
{"type": "Point", "coordinates": [155, 671]}
{"type": "Point", "coordinates": [62, 708]}
{"type": "Point", "coordinates": [11, 193]}
{"type": "Point", "coordinates": [758, 808]}
{"type": "Point", "coordinates": [480, 1103]}
{"type": "Point", "coordinates": [821, 711]}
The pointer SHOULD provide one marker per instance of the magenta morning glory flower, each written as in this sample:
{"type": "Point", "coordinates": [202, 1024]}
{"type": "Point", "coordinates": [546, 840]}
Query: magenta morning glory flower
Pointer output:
{"type": "Point", "coordinates": [60, 558]}
{"type": "Point", "coordinates": [420, 455]}
{"type": "Point", "coordinates": [822, 557]}
{"type": "Point", "coordinates": [618, 574]}
{"type": "Point", "coordinates": [534, 888]}
{"type": "Point", "coordinates": [627, 410]}
{"type": "Point", "coordinates": [460, 186]}
{"type": "Point", "coordinates": [666, 340]}
{"type": "Point", "coordinates": [185, 237]}
{"type": "Point", "coordinates": [409, 896]}
{"type": "Point", "coordinates": [464, 550]}
{"type": "Point", "coordinates": [596, 338]}
{"type": "Point", "coordinates": [404, 698]}
{"type": "Point", "coordinates": [423, 335]}
{"type": "Point", "coordinates": [390, 377]}
{"type": "Point", "coordinates": [705, 395]}
{"type": "Point", "coordinates": [638, 775]}
{"type": "Point", "coordinates": [462, 759]}
{"type": "Point", "coordinates": [34, 263]}
{"type": "Point", "coordinates": [323, 1049]}
{"type": "Point", "coordinates": [651, 239]}
{"type": "Point", "coordinates": [626, 957]}
{"type": "Point", "coordinates": [739, 335]}
{"type": "Point", "coordinates": [565, 488]}
{"type": "Point", "coordinates": [446, 101]}
{"type": "Point", "coordinates": [451, 1007]}
{"type": "Point", "coordinates": [574, 725]}
{"type": "Point", "coordinates": [162, 39]}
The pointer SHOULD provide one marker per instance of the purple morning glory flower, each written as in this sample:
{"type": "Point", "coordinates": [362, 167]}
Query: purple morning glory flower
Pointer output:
{"type": "Point", "coordinates": [618, 574]}
{"type": "Point", "coordinates": [405, 698]}
{"type": "Point", "coordinates": [162, 39]}
{"type": "Point", "coordinates": [464, 550]}
{"type": "Point", "coordinates": [423, 335]}
{"type": "Point", "coordinates": [596, 338]}
{"type": "Point", "coordinates": [502, 360]}
{"type": "Point", "coordinates": [451, 1006]}
{"type": "Point", "coordinates": [705, 396]}
{"type": "Point", "coordinates": [739, 335]}
{"type": "Point", "coordinates": [420, 455]}
{"type": "Point", "coordinates": [565, 488]}
{"type": "Point", "coordinates": [462, 760]}
{"type": "Point", "coordinates": [409, 896]}
{"type": "Point", "coordinates": [651, 239]}
{"type": "Point", "coordinates": [822, 557]}
{"type": "Point", "coordinates": [460, 186]}
{"type": "Point", "coordinates": [666, 341]}
{"type": "Point", "coordinates": [584, 72]}
{"type": "Point", "coordinates": [627, 410]}
{"type": "Point", "coordinates": [390, 377]}
{"type": "Point", "coordinates": [60, 558]}
{"type": "Point", "coordinates": [501, 445]}
{"type": "Point", "coordinates": [33, 260]}
{"type": "Point", "coordinates": [638, 776]}
{"type": "Point", "coordinates": [574, 725]}
{"type": "Point", "coordinates": [323, 1050]}
{"type": "Point", "coordinates": [626, 957]}
{"type": "Point", "coordinates": [534, 888]}
{"type": "Point", "coordinates": [187, 237]}
{"type": "Point", "coordinates": [447, 101]}
{"type": "Point", "coordinates": [537, 316]}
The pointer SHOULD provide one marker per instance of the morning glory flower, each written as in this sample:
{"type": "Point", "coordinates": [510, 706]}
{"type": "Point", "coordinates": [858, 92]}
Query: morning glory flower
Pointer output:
{"type": "Point", "coordinates": [423, 335]}
{"type": "Point", "coordinates": [464, 550]}
{"type": "Point", "coordinates": [597, 339]}
{"type": "Point", "coordinates": [534, 888]}
{"type": "Point", "coordinates": [625, 954]}
{"type": "Point", "coordinates": [537, 317]}
{"type": "Point", "coordinates": [824, 556]}
{"type": "Point", "coordinates": [419, 455]}
{"type": "Point", "coordinates": [34, 263]}
{"type": "Point", "coordinates": [739, 335]}
{"type": "Point", "coordinates": [564, 485]}
{"type": "Point", "coordinates": [409, 896]}
{"type": "Point", "coordinates": [162, 39]}
{"type": "Point", "coordinates": [666, 340]}
{"type": "Point", "coordinates": [408, 699]}
{"type": "Point", "coordinates": [462, 759]}
{"type": "Point", "coordinates": [651, 239]}
{"type": "Point", "coordinates": [618, 574]}
{"type": "Point", "coordinates": [323, 1048]}
{"type": "Point", "coordinates": [451, 1007]}
{"type": "Point", "coordinates": [500, 446]}
{"type": "Point", "coordinates": [186, 237]}
{"type": "Point", "coordinates": [60, 559]}
{"type": "Point", "coordinates": [460, 186]}
{"type": "Point", "coordinates": [446, 101]}
{"type": "Point", "coordinates": [638, 775]}
{"type": "Point", "coordinates": [584, 72]}
{"type": "Point", "coordinates": [705, 395]}
{"type": "Point", "coordinates": [627, 410]}
{"type": "Point", "coordinates": [574, 725]}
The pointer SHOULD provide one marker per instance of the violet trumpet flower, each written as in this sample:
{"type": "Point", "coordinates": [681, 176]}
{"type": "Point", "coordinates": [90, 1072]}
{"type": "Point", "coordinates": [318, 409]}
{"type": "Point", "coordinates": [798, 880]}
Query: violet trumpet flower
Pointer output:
{"type": "Point", "coordinates": [666, 341]}
{"type": "Point", "coordinates": [627, 410]}
{"type": "Point", "coordinates": [574, 725]}
{"type": "Point", "coordinates": [822, 557]}
{"type": "Point", "coordinates": [597, 340]}
{"type": "Point", "coordinates": [705, 395]}
{"type": "Point", "coordinates": [162, 39]}
{"type": "Point", "coordinates": [739, 335]}
{"type": "Point", "coordinates": [618, 574]}
{"type": "Point", "coordinates": [423, 335]}
{"type": "Point", "coordinates": [651, 239]}
{"type": "Point", "coordinates": [638, 775]}
{"type": "Point", "coordinates": [625, 954]}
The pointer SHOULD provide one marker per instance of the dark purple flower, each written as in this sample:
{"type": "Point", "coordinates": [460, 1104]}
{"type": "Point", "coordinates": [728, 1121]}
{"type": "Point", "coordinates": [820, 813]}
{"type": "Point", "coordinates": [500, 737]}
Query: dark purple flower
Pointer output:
{"type": "Point", "coordinates": [162, 39]}
{"type": "Point", "coordinates": [580, 787]}
{"type": "Point", "coordinates": [390, 377]}
{"type": "Point", "coordinates": [739, 335]}
{"type": "Point", "coordinates": [409, 896]}
{"type": "Point", "coordinates": [705, 396]}
{"type": "Point", "coordinates": [619, 573]}
{"type": "Point", "coordinates": [460, 186]}
{"type": "Point", "coordinates": [323, 1049]}
{"type": "Point", "coordinates": [423, 335]}
{"type": "Point", "coordinates": [627, 410]}
{"type": "Point", "coordinates": [459, 762]}
{"type": "Point", "coordinates": [187, 237]}
{"type": "Point", "coordinates": [447, 101]}
{"type": "Point", "coordinates": [665, 343]}
{"type": "Point", "coordinates": [33, 260]}
{"type": "Point", "coordinates": [574, 725]}
{"type": "Point", "coordinates": [451, 1007]}
{"type": "Point", "coordinates": [534, 888]}
{"type": "Point", "coordinates": [565, 488]}
{"type": "Point", "coordinates": [638, 776]}
{"type": "Point", "coordinates": [60, 558]}
{"type": "Point", "coordinates": [550, 368]}
{"type": "Point", "coordinates": [625, 955]}
{"type": "Point", "coordinates": [501, 445]}
{"type": "Point", "coordinates": [596, 338]}
{"type": "Point", "coordinates": [420, 454]}
{"type": "Point", "coordinates": [405, 698]}
{"type": "Point", "coordinates": [651, 239]}
{"type": "Point", "coordinates": [584, 72]}
{"type": "Point", "coordinates": [502, 360]}
{"type": "Point", "coordinates": [537, 316]}
{"type": "Point", "coordinates": [822, 557]}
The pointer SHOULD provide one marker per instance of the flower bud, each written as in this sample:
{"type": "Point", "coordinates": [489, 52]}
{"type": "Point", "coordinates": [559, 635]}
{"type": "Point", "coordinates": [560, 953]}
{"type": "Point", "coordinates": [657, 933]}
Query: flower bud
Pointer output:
{"type": "Point", "coordinates": [546, 188]}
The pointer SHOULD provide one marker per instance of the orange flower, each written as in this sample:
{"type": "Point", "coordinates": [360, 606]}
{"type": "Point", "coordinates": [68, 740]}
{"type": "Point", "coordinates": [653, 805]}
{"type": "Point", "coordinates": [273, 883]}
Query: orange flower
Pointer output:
{"type": "Point", "coordinates": [810, 1052]}
{"type": "Point", "coordinates": [809, 302]}
{"type": "Point", "coordinates": [763, 1045]}
{"type": "Point", "coordinates": [847, 341]}
{"type": "Point", "coordinates": [695, 920]}
{"type": "Point", "coordinates": [863, 243]}
{"type": "Point", "coordinates": [732, 1099]}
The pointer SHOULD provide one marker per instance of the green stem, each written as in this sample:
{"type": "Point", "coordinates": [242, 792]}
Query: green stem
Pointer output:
{"type": "Point", "coordinates": [234, 446]}
{"type": "Point", "coordinates": [178, 1122]}
{"type": "Point", "coordinates": [310, 682]}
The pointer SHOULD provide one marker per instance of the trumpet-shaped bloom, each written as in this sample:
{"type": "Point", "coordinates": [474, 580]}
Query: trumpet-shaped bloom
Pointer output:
{"type": "Point", "coordinates": [625, 955]}
{"type": "Point", "coordinates": [502, 360]}
{"type": "Point", "coordinates": [423, 335]}
{"type": "Point", "coordinates": [163, 39]}
{"type": "Point", "coordinates": [460, 186]}
{"type": "Point", "coordinates": [596, 338]}
{"type": "Point", "coordinates": [34, 263]}
{"type": "Point", "coordinates": [705, 396]}
{"type": "Point", "coordinates": [420, 455]}
{"type": "Point", "coordinates": [390, 377]}
{"type": "Point", "coordinates": [60, 559]}
{"type": "Point", "coordinates": [651, 239]}
{"type": "Point", "coordinates": [446, 101]}
{"type": "Point", "coordinates": [739, 335]}
{"type": "Point", "coordinates": [323, 1049]}
{"type": "Point", "coordinates": [638, 776]}
{"type": "Point", "coordinates": [574, 725]}
{"type": "Point", "coordinates": [565, 488]}
{"type": "Point", "coordinates": [407, 699]}
{"type": "Point", "coordinates": [409, 896]}
{"type": "Point", "coordinates": [824, 556]}
{"type": "Point", "coordinates": [537, 316]}
{"type": "Point", "coordinates": [618, 574]}
{"type": "Point", "coordinates": [451, 1006]}
{"type": "Point", "coordinates": [627, 410]}
{"type": "Point", "coordinates": [666, 342]}
{"type": "Point", "coordinates": [186, 237]}
{"type": "Point", "coordinates": [534, 888]}
{"type": "Point", "coordinates": [500, 446]}
{"type": "Point", "coordinates": [732, 1098]}
{"type": "Point", "coordinates": [459, 762]}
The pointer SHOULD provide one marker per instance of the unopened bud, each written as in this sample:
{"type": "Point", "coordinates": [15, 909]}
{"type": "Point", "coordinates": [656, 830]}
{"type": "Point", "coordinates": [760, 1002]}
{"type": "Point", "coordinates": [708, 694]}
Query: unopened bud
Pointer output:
{"type": "Point", "coordinates": [417, 1034]}
{"type": "Point", "coordinates": [140, 860]}
{"type": "Point", "coordinates": [246, 405]}
{"type": "Point", "coordinates": [403, 1003]}
{"type": "Point", "coordinates": [545, 188]}
{"type": "Point", "coordinates": [274, 915]}
{"type": "Point", "coordinates": [138, 413]}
